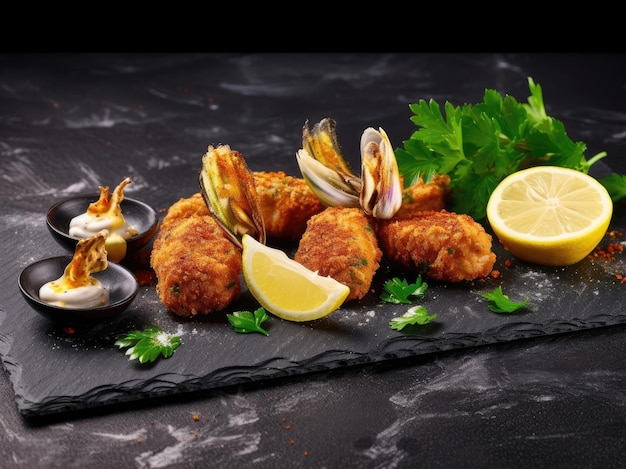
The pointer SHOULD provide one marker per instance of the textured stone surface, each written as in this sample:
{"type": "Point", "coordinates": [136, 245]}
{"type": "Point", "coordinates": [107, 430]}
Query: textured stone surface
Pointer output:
{"type": "Point", "coordinates": [463, 392]}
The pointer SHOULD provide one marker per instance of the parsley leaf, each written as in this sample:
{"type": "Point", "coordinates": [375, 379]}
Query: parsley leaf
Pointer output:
{"type": "Point", "coordinates": [397, 291]}
{"type": "Point", "coordinates": [415, 315]}
{"type": "Point", "coordinates": [479, 145]}
{"type": "Point", "coordinates": [500, 303]}
{"type": "Point", "coordinates": [616, 185]}
{"type": "Point", "coordinates": [245, 321]}
{"type": "Point", "coordinates": [149, 344]}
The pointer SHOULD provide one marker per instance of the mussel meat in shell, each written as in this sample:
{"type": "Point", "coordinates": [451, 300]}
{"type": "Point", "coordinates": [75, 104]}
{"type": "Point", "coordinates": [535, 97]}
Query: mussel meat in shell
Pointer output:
{"type": "Point", "coordinates": [228, 189]}
{"type": "Point", "coordinates": [379, 189]}
{"type": "Point", "coordinates": [324, 168]}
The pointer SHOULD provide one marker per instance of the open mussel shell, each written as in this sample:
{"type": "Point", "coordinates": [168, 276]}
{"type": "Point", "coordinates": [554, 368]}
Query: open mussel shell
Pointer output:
{"type": "Point", "coordinates": [229, 191]}
{"type": "Point", "coordinates": [325, 169]}
{"type": "Point", "coordinates": [331, 187]}
{"type": "Point", "coordinates": [381, 191]}
{"type": "Point", "coordinates": [322, 144]}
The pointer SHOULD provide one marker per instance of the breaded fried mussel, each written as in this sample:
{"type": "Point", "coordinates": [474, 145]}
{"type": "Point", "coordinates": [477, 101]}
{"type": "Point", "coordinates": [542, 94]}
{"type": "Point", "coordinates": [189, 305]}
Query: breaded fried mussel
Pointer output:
{"type": "Point", "coordinates": [286, 203]}
{"type": "Point", "coordinates": [442, 245]}
{"type": "Point", "coordinates": [422, 196]}
{"type": "Point", "coordinates": [341, 243]}
{"type": "Point", "coordinates": [196, 265]}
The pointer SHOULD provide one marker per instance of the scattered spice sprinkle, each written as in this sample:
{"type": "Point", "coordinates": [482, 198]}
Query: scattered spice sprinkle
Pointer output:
{"type": "Point", "coordinates": [606, 252]}
{"type": "Point", "coordinates": [614, 246]}
{"type": "Point", "coordinates": [292, 441]}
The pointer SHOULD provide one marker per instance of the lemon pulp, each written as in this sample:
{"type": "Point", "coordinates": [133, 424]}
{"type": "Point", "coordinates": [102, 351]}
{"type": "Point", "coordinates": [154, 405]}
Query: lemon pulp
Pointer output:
{"type": "Point", "coordinates": [286, 288]}
{"type": "Point", "coordinates": [550, 215]}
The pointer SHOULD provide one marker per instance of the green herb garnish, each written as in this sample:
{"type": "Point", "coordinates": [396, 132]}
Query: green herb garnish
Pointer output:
{"type": "Point", "coordinates": [149, 344]}
{"type": "Point", "coordinates": [500, 303]}
{"type": "Point", "coordinates": [398, 291]}
{"type": "Point", "coordinates": [414, 315]}
{"type": "Point", "coordinates": [479, 145]}
{"type": "Point", "coordinates": [245, 321]}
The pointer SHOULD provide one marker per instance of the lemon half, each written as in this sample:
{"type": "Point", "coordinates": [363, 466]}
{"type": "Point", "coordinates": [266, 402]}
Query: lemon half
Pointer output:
{"type": "Point", "coordinates": [285, 287]}
{"type": "Point", "coordinates": [550, 215]}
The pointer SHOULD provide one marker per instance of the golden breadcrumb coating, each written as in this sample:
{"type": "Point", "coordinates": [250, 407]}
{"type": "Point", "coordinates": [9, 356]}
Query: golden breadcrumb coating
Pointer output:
{"type": "Point", "coordinates": [184, 208]}
{"type": "Point", "coordinates": [196, 265]}
{"type": "Point", "coordinates": [286, 202]}
{"type": "Point", "coordinates": [422, 196]}
{"type": "Point", "coordinates": [340, 242]}
{"type": "Point", "coordinates": [440, 245]}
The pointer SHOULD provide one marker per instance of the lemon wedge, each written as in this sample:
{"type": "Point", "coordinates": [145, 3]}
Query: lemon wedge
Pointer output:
{"type": "Point", "coordinates": [286, 288]}
{"type": "Point", "coordinates": [550, 215]}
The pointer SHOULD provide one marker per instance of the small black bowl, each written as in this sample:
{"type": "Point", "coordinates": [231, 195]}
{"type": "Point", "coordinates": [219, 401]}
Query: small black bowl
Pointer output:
{"type": "Point", "coordinates": [137, 214]}
{"type": "Point", "coordinates": [119, 281]}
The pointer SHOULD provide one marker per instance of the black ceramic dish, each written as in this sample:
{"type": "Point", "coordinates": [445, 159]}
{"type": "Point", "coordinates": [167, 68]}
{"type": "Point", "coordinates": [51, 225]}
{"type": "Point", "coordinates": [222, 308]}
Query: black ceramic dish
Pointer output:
{"type": "Point", "coordinates": [119, 281]}
{"type": "Point", "coordinates": [137, 214]}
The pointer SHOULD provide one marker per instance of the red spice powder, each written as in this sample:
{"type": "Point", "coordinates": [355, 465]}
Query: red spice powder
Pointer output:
{"type": "Point", "coordinates": [607, 251]}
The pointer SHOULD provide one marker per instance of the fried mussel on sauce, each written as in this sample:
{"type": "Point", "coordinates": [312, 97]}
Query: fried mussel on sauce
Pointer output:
{"type": "Point", "coordinates": [344, 223]}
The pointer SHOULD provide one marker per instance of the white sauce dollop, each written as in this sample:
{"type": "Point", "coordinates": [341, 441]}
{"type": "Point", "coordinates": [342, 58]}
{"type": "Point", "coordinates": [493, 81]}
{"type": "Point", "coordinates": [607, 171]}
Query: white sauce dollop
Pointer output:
{"type": "Point", "coordinates": [86, 225]}
{"type": "Point", "coordinates": [88, 296]}
{"type": "Point", "coordinates": [76, 288]}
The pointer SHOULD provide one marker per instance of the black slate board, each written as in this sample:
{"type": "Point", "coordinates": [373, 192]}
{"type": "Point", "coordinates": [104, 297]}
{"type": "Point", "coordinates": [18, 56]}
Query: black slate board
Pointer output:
{"type": "Point", "coordinates": [53, 371]}
{"type": "Point", "coordinates": [89, 119]}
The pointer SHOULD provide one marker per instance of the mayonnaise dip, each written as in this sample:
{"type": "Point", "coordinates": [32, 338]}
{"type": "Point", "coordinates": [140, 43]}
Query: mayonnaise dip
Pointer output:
{"type": "Point", "coordinates": [76, 288]}
{"type": "Point", "coordinates": [86, 225]}
{"type": "Point", "coordinates": [89, 296]}
{"type": "Point", "coordinates": [106, 214]}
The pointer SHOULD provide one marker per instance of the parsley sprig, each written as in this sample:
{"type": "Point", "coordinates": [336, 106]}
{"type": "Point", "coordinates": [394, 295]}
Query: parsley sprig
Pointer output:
{"type": "Point", "coordinates": [500, 303]}
{"type": "Point", "coordinates": [479, 145]}
{"type": "Point", "coordinates": [245, 321]}
{"type": "Point", "coordinates": [149, 344]}
{"type": "Point", "coordinates": [414, 315]}
{"type": "Point", "coordinates": [398, 291]}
